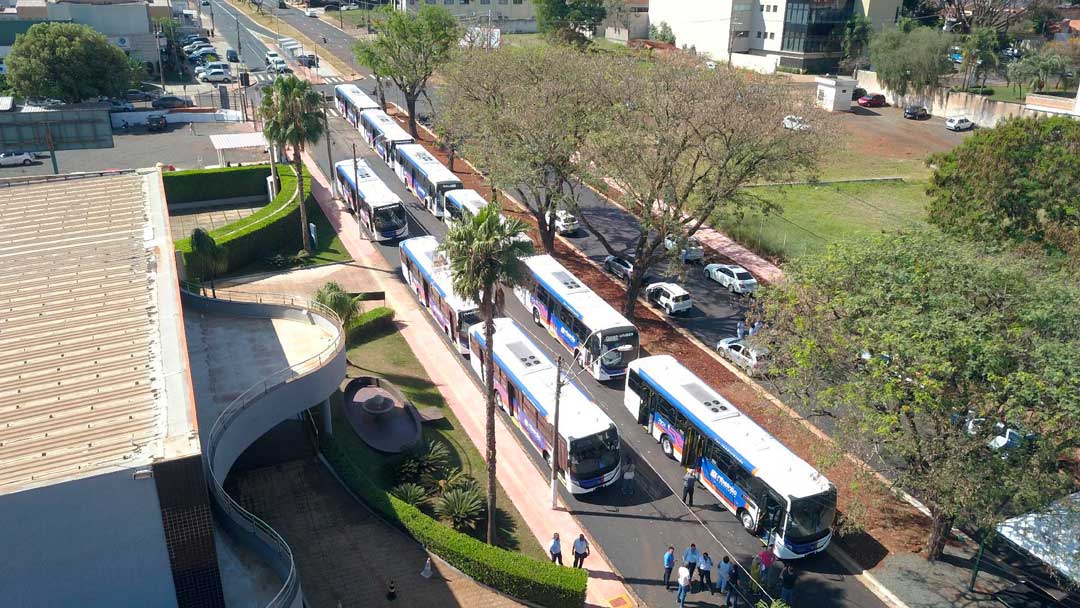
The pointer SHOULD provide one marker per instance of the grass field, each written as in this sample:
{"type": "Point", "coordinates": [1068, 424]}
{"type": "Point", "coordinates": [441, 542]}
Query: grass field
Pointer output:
{"type": "Point", "coordinates": [852, 162]}
{"type": "Point", "coordinates": [810, 217]}
{"type": "Point", "coordinates": [389, 356]}
{"type": "Point", "coordinates": [328, 247]}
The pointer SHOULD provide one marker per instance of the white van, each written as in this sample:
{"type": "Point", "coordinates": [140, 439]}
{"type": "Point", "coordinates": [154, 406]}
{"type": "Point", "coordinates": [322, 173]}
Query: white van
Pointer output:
{"type": "Point", "coordinates": [214, 65]}
{"type": "Point", "coordinates": [270, 58]}
{"type": "Point", "coordinates": [669, 296]}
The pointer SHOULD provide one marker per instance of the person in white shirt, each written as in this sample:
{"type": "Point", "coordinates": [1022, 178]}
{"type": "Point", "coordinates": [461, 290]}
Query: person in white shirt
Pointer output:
{"type": "Point", "coordinates": [684, 586]}
{"type": "Point", "coordinates": [705, 571]}
{"type": "Point", "coordinates": [555, 549]}
{"type": "Point", "coordinates": [581, 551]}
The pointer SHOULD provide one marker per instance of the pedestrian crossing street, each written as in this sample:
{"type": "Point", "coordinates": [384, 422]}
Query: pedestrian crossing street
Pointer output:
{"type": "Point", "coordinates": [266, 77]}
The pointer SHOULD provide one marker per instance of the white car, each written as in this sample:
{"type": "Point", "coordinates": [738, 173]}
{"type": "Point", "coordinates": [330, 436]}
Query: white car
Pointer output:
{"type": "Point", "coordinates": [565, 222]}
{"type": "Point", "coordinates": [669, 297]}
{"type": "Point", "coordinates": [736, 278]}
{"type": "Point", "coordinates": [215, 76]}
{"type": "Point", "coordinates": [796, 123]}
{"type": "Point", "coordinates": [751, 359]}
{"type": "Point", "coordinates": [278, 66]}
{"type": "Point", "coordinates": [692, 252]}
{"type": "Point", "coordinates": [958, 123]}
{"type": "Point", "coordinates": [310, 12]}
{"type": "Point", "coordinates": [197, 46]}
{"type": "Point", "coordinates": [12, 159]}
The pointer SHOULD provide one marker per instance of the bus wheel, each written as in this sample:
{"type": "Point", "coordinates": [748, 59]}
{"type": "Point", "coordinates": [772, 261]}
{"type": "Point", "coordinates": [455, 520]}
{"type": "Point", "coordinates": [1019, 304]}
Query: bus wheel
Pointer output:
{"type": "Point", "coordinates": [665, 444]}
{"type": "Point", "coordinates": [536, 316]}
{"type": "Point", "coordinates": [747, 521]}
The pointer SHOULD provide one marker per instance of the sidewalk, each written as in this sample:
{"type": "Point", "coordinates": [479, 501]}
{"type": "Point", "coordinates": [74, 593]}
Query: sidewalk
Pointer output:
{"type": "Point", "coordinates": [526, 486]}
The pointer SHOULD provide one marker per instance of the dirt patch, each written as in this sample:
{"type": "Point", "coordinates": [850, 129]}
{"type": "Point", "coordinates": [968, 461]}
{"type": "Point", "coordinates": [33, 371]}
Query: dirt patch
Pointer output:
{"type": "Point", "coordinates": [890, 525]}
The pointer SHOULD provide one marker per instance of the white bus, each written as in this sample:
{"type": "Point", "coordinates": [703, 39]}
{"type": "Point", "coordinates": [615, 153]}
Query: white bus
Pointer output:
{"type": "Point", "coordinates": [383, 134]}
{"type": "Point", "coordinates": [775, 494]}
{"type": "Point", "coordinates": [351, 101]}
{"type": "Point", "coordinates": [601, 339]}
{"type": "Point", "coordinates": [425, 176]}
{"type": "Point", "coordinates": [378, 210]}
{"type": "Point", "coordinates": [429, 278]}
{"type": "Point", "coordinates": [525, 389]}
{"type": "Point", "coordinates": [460, 202]}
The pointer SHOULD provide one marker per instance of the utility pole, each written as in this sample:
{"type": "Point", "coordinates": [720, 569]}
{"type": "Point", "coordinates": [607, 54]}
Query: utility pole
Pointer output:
{"type": "Point", "coordinates": [239, 42]}
{"type": "Point", "coordinates": [356, 180]}
{"type": "Point", "coordinates": [326, 122]}
{"type": "Point", "coordinates": [555, 436]}
{"type": "Point", "coordinates": [211, 20]}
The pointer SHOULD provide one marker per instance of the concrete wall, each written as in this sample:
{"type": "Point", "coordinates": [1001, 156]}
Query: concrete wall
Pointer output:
{"type": "Point", "coordinates": [701, 23]}
{"type": "Point", "coordinates": [139, 118]}
{"type": "Point", "coordinates": [109, 19]}
{"type": "Point", "coordinates": [981, 110]}
{"type": "Point", "coordinates": [766, 64]}
{"type": "Point", "coordinates": [97, 541]}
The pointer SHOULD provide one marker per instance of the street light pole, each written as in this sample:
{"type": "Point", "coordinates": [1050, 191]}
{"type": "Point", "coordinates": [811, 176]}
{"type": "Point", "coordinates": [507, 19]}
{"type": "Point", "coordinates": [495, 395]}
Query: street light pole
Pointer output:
{"type": "Point", "coordinates": [326, 123]}
{"type": "Point", "coordinates": [555, 437]}
{"type": "Point", "coordinates": [239, 42]}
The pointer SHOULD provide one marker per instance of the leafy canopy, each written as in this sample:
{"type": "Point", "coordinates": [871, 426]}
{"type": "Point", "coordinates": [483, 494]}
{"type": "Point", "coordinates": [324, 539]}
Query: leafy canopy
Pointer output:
{"type": "Point", "coordinates": [1017, 182]}
{"type": "Point", "coordinates": [344, 305]}
{"type": "Point", "coordinates": [904, 338]}
{"type": "Point", "coordinates": [911, 62]}
{"type": "Point", "coordinates": [67, 61]}
{"type": "Point", "coordinates": [567, 19]}
{"type": "Point", "coordinates": [484, 250]}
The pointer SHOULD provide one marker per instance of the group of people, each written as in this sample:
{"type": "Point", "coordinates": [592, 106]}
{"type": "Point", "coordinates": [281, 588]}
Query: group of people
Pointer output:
{"type": "Point", "coordinates": [766, 572]}
{"type": "Point", "coordinates": [581, 550]}
{"type": "Point", "coordinates": [741, 330]}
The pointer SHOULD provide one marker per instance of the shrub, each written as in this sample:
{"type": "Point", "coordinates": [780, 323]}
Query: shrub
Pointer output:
{"type": "Point", "coordinates": [210, 184]}
{"type": "Point", "coordinates": [524, 578]}
{"type": "Point", "coordinates": [448, 480]}
{"type": "Point", "coordinates": [410, 494]}
{"type": "Point", "coordinates": [461, 507]}
{"type": "Point", "coordinates": [371, 323]}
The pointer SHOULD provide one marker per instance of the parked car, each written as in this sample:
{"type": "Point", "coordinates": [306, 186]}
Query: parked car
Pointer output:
{"type": "Point", "coordinates": [669, 296]}
{"type": "Point", "coordinates": [44, 102]}
{"type": "Point", "coordinates": [751, 359]}
{"type": "Point", "coordinates": [310, 12]}
{"type": "Point", "coordinates": [916, 112]}
{"type": "Point", "coordinates": [691, 252]}
{"type": "Point", "coordinates": [958, 123]}
{"type": "Point", "coordinates": [736, 278]}
{"type": "Point", "coordinates": [1002, 437]}
{"type": "Point", "coordinates": [619, 266]}
{"type": "Point", "coordinates": [156, 122]}
{"type": "Point", "coordinates": [137, 95]}
{"type": "Point", "coordinates": [350, 7]}
{"type": "Point", "coordinates": [194, 46]}
{"type": "Point", "coordinates": [188, 39]}
{"type": "Point", "coordinates": [206, 2]}
{"type": "Point", "coordinates": [216, 75]}
{"type": "Point", "coordinates": [875, 100]}
{"type": "Point", "coordinates": [308, 61]}
{"type": "Point", "coordinates": [565, 222]}
{"type": "Point", "coordinates": [232, 56]}
{"type": "Point", "coordinates": [796, 123]}
{"type": "Point", "coordinates": [171, 101]}
{"type": "Point", "coordinates": [857, 92]}
{"type": "Point", "coordinates": [213, 65]}
{"type": "Point", "coordinates": [119, 105]}
{"type": "Point", "coordinates": [270, 57]}
{"type": "Point", "coordinates": [332, 6]}
{"type": "Point", "coordinates": [13, 159]}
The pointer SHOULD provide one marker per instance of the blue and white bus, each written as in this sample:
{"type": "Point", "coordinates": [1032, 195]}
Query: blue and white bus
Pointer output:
{"type": "Point", "coordinates": [425, 176]}
{"type": "Point", "coordinates": [351, 101]}
{"type": "Point", "coordinates": [588, 452]}
{"type": "Point", "coordinates": [427, 274]}
{"type": "Point", "coordinates": [602, 340]}
{"type": "Point", "coordinates": [775, 494]}
{"type": "Point", "coordinates": [383, 134]}
{"type": "Point", "coordinates": [379, 211]}
{"type": "Point", "coordinates": [461, 202]}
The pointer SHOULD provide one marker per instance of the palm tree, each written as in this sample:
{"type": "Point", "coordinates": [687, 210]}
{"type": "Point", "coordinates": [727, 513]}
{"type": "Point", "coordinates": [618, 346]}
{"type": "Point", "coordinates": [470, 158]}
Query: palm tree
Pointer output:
{"type": "Point", "coordinates": [212, 259]}
{"type": "Point", "coordinates": [292, 116]}
{"type": "Point", "coordinates": [332, 296]}
{"type": "Point", "coordinates": [484, 250]}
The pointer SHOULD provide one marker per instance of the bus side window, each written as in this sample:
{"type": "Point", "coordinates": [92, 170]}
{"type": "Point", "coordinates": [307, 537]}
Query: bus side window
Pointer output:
{"type": "Point", "coordinates": [633, 382]}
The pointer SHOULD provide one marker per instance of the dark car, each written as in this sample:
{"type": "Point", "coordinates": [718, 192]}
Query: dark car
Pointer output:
{"type": "Point", "coordinates": [118, 105]}
{"type": "Point", "coordinates": [170, 102]}
{"type": "Point", "coordinates": [232, 56]}
{"type": "Point", "coordinates": [137, 95]}
{"type": "Point", "coordinates": [876, 100]}
{"type": "Point", "coordinates": [156, 122]}
{"type": "Point", "coordinates": [857, 92]}
{"type": "Point", "coordinates": [915, 112]}
{"type": "Point", "coordinates": [332, 6]}
{"type": "Point", "coordinates": [308, 61]}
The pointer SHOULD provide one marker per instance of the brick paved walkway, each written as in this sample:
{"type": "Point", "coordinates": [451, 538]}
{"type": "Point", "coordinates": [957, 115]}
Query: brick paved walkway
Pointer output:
{"type": "Point", "coordinates": [182, 223]}
{"type": "Point", "coordinates": [346, 556]}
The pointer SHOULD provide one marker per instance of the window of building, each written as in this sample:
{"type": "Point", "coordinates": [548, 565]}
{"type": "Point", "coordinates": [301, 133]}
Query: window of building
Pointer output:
{"type": "Point", "coordinates": [518, 1]}
{"type": "Point", "coordinates": [485, 1]}
{"type": "Point", "coordinates": [774, 7]}
{"type": "Point", "coordinates": [464, 1]}
{"type": "Point", "coordinates": [504, 1]}
{"type": "Point", "coordinates": [742, 34]}
{"type": "Point", "coordinates": [448, 1]}
{"type": "Point", "coordinates": [758, 35]}
{"type": "Point", "coordinates": [772, 35]}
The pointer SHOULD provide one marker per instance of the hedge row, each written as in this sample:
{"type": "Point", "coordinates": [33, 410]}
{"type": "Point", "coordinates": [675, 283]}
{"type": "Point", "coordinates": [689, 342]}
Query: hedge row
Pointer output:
{"type": "Point", "coordinates": [212, 184]}
{"type": "Point", "coordinates": [273, 229]}
{"type": "Point", "coordinates": [521, 577]}
{"type": "Point", "coordinates": [370, 323]}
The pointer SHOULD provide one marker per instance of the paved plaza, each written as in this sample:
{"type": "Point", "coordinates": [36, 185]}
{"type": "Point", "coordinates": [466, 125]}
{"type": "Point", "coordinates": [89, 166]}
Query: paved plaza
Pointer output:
{"type": "Point", "coordinates": [181, 223]}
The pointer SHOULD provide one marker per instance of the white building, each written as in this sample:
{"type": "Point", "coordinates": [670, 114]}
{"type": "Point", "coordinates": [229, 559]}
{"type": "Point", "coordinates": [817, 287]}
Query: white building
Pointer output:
{"type": "Point", "coordinates": [509, 16]}
{"type": "Point", "coordinates": [129, 24]}
{"type": "Point", "coordinates": [764, 34]}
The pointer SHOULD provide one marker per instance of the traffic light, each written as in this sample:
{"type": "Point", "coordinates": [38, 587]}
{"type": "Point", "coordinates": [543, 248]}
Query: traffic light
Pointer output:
{"type": "Point", "coordinates": [245, 79]}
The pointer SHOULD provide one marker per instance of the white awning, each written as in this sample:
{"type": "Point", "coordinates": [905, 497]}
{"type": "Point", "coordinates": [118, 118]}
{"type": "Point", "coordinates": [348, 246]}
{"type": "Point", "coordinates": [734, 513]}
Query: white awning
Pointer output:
{"type": "Point", "coordinates": [233, 141]}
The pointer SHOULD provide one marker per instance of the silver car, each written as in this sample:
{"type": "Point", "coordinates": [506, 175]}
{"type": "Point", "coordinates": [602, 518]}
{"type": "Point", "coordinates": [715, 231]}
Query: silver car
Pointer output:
{"type": "Point", "coordinates": [736, 278]}
{"type": "Point", "coordinates": [692, 251]}
{"type": "Point", "coordinates": [751, 359]}
{"type": "Point", "coordinates": [13, 159]}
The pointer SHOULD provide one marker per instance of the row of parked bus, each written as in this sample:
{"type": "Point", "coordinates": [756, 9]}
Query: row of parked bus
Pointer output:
{"type": "Point", "coordinates": [774, 494]}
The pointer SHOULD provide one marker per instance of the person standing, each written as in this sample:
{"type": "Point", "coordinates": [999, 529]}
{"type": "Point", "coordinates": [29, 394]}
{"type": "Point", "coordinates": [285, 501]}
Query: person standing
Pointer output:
{"type": "Point", "coordinates": [628, 478]}
{"type": "Point", "coordinates": [705, 570]}
{"type": "Point", "coordinates": [688, 482]}
{"type": "Point", "coordinates": [555, 549]}
{"type": "Point", "coordinates": [581, 551]}
{"type": "Point", "coordinates": [684, 586]}
{"type": "Point", "coordinates": [787, 584]}
{"type": "Point", "coordinates": [770, 570]}
{"type": "Point", "coordinates": [740, 330]}
{"type": "Point", "coordinates": [691, 556]}
{"type": "Point", "coordinates": [732, 598]}
{"type": "Point", "coordinates": [669, 563]}
{"type": "Point", "coordinates": [723, 572]}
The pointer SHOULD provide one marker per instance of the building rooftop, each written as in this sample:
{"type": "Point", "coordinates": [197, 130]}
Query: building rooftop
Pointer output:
{"type": "Point", "coordinates": [93, 365]}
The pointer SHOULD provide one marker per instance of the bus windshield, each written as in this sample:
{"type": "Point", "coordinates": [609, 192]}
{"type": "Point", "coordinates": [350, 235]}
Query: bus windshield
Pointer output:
{"type": "Point", "coordinates": [467, 319]}
{"type": "Point", "coordinates": [389, 218]}
{"type": "Point", "coordinates": [595, 455]}
{"type": "Point", "coordinates": [811, 516]}
{"type": "Point", "coordinates": [613, 356]}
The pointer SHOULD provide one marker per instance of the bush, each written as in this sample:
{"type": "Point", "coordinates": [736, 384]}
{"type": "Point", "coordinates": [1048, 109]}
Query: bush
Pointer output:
{"type": "Point", "coordinates": [424, 460]}
{"type": "Point", "coordinates": [410, 494]}
{"type": "Point", "coordinates": [371, 323]}
{"type": "Point", "coordinates": [461, 507]}
{"type": "Point", "coordinates": [524, 578]}
{"type": "Point", "coordinates": [210, 184]}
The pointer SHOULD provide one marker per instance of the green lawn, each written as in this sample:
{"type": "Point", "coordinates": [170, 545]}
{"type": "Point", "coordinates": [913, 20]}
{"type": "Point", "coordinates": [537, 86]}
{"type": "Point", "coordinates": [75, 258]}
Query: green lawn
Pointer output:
{"type": "Point", "coordinates": [328, 248]}
{"type": "Point", "coordinates": [810, 217]}
{"type": "Point", "coordinates": [852, 162]}
{"type": "Point", "coordinates": [389, 356]}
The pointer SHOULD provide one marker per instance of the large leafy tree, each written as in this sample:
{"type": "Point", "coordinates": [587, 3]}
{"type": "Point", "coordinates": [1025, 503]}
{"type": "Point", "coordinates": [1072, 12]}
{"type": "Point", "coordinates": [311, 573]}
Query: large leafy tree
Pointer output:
{"type": "Point", "coordinates": [210, 259]}
{"type": "Point", "coordinates": [569, 19]}
{"type": "Point", "coordinates": [345, 305]}
{"type": "Point", "coordinates": [292, 113]}
{"type": "Point", "coordinates": [484, 252]}
{"type": "Point", "coordinates": [856, 43]}
{"type": "Point", "coordinates": [407, 49]}
{"type": "Point", "coordinates": [680, 143]}
{"type": "Point", "coordinates": [1017, 182]}
{"type": "Point", "coordinates": [523, 114]}
{"type": "Point", "coordinates": [963, 16]}
{"type": "Point", "coordinates": [980, 54]}
{"type": "Point", "coordinates": [911, 62]}
{"type": "Point", "coordinates": [67, 61]}
{"type": "Point", "coordinates": [920, 346]}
